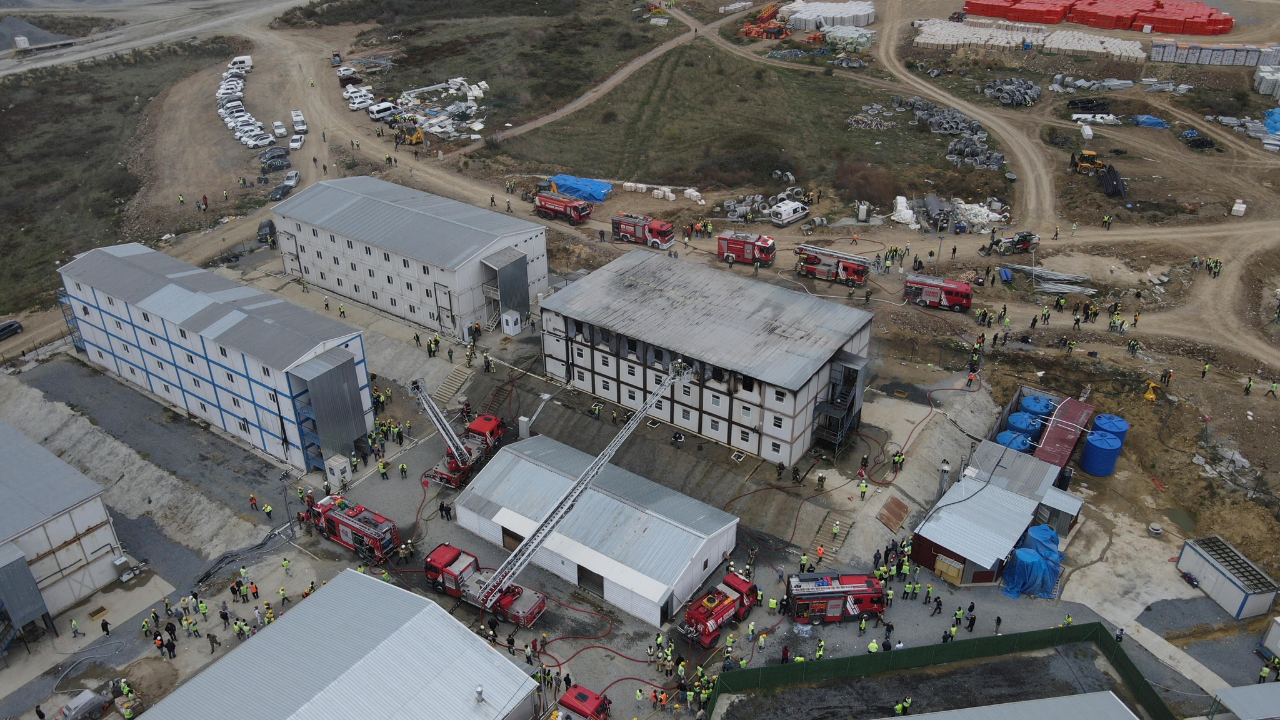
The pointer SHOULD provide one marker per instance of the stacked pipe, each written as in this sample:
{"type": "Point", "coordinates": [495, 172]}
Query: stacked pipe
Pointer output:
{"type": "Point", "coordinates": [1012, 91]}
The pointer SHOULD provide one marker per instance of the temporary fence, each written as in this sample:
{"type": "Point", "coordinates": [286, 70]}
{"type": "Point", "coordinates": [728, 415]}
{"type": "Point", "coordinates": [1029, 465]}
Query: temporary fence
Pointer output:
{"type": "Point", "coordinates": [797, 673]}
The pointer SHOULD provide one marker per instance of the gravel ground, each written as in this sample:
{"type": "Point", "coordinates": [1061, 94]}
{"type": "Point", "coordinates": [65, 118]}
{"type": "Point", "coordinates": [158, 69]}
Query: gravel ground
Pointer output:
{"type": "Point", "coordinates": [1168, 616]}
{"type": "Point", "coordinates": [1071, 669]}
{"type": "Point", "coordinates": [1230, 657]}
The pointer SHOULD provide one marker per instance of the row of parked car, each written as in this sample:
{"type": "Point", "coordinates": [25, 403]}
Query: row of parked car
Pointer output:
{"type": "Point", "coordinates": [249, 130]}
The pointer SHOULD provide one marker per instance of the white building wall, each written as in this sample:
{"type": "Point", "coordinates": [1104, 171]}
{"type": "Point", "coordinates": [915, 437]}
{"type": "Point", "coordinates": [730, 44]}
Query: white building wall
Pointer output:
{"type": "Point", "coordinates": [629, 602]}
{"type": "Point", "coordinates": [71, 554]}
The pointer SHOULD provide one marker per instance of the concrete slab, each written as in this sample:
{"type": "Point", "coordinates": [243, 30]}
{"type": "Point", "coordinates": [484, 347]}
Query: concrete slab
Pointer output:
{"type": "Point", "coordinates": [121, 601]}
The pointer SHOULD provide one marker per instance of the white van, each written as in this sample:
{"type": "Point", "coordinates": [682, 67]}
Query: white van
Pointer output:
{"type": "Point", "coordinates": [787, 212]}
{"type": "Point", "coordinates": [244, 62]}
{"type": "Point", "coordinates": [382, 110]}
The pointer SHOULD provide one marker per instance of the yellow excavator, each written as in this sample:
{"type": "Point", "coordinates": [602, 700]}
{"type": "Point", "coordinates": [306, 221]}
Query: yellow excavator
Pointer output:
{"type": "Point", "coordinates": [1086, 163]}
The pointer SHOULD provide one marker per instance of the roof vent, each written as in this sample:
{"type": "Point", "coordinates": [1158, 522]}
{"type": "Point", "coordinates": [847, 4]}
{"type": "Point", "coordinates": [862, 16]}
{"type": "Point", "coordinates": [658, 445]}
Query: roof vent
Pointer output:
{"type": "Point", "coordinates": [480, 694]}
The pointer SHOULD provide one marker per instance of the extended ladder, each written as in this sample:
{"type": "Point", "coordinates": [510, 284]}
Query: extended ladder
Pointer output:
{"type": "Point", "coordinates": [518, 560]}
{"type": "Point", "coordinates": [835, 254]}
{"type": "Point", "coordinates": [437, 417]}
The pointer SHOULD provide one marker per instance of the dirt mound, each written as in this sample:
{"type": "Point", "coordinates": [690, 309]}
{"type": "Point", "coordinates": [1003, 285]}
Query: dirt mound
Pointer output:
{"type": "Point", "coordinates": [151, 677]}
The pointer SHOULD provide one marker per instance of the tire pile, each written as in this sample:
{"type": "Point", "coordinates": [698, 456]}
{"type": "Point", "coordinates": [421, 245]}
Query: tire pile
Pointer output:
{"type": "Point", "coordinates": [1012, 91]}
{"type": "Point", "coordinates": [969, 148]}
{"type": "Point", "coordinates": [759, 205]}
{"type": "Point", "coordinates": [875, 117]}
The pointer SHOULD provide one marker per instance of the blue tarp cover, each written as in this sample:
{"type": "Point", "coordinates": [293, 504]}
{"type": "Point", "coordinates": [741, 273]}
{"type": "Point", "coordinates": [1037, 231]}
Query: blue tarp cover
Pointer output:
{"type": "Point", "coordinates": [1273, 121]}
{"type": "Point", "coordinates": [582, 188]}
{"type": "Point", "coordinates": [1035, 565]}
{"type": "Point", "coordinates": [1150, 121]}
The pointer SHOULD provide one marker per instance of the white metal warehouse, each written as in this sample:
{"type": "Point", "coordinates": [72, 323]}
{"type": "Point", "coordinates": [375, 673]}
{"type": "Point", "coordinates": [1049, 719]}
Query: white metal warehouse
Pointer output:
{"type": "Point", "coordinates": [642, 547]}
{"type": "Point", "coordinates": [436, 262]}
{"type": "Point", "coordinates": [357, 648]}
{"type": "Point", "coordinates": [1227, 576]}
{"type": "Point", "coordinates": [57, 543]}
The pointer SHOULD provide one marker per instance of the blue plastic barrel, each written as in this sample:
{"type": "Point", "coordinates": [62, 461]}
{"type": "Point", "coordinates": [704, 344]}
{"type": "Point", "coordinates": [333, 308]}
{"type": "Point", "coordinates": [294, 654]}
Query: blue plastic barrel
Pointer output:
{"type": "Point", "coordinates": [1025, 423]}
{"type": "Point", "coordinates": [1037, 405]}
{"type": "Point", "coordinates": [1014, 441]}
{"type": "Point", "coordinates": [1101, 452]}
{"type": "Point", "coordinates": [1113, 424]}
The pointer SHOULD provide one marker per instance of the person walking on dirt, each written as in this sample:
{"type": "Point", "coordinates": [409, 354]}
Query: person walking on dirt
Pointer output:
{"type": "Point", "coordinates": [315, 161]}
{"type": "Point", "coordinates": [1272, 392]}
{"type": "Point", "coordinates": [1073, 228]}
{"type": "Point", "coordinates": [181, 200]}
{"type": "Point", "coordinates": [1204, 371]}
{"type": "Point", "coordinates": [1248, 387]}
{"type": "Point", "coordinates": [493, 201]}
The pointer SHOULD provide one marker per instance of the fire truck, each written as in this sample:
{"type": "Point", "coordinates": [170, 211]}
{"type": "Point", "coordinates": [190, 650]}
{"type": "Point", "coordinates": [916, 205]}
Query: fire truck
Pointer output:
{"type": "Point", "coordinates": [731, 600]}
{"type": "Point", "coordinates": [355, 527]}
{"type": "Point", "coordinates": [459, 460]}
{"type": "Point", "coordinates": [487, 431]}
{"type": "Point", "coordinates": [929, 291]}
{"type": "Point", "coordinates": [736, 246]}
{"type": "Point", "coordinates": [457, 573]}
{"type": "Point", "coordinates": [827, 264]}
{"type": "Point", "coordinates": [579, 703]}
{"type": "Point", "coordinates": [818, 597]}
{"type": "Point", "coordinates": [642, 229]}
{"type": "Point", "coordinates": [552, 205]}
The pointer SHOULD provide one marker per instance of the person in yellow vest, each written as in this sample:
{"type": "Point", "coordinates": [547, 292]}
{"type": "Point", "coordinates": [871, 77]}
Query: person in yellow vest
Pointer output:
{"type": "Point", "coordinates": [873, 647]}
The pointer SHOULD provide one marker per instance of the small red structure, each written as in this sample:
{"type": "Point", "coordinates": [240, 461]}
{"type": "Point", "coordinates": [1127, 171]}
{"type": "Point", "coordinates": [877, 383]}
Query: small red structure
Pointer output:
{"type": "Point", "coordinates": [731, 600]}
{"type": "Point", "coordinates": [1062, 431]}
{"type": "Point", "coordinates": [579, 703]}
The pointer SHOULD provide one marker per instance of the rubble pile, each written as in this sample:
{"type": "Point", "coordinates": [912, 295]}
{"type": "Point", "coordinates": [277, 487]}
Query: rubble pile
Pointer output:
{"type": "Point", "coordinates": [874, 117]}
{"type": "Point", "coordinates": [447, 110]}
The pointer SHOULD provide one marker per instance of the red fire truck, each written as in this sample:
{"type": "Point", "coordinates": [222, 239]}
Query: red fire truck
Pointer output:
{"type": "Point", "coordinates": [736, 246]}
{"type": "Point", "coordinates": [929, 291]}
{"type": "Point", "coordinates": [731, 600]}
{"type": "Point", "coordinates": [457, 573]}
{"type": "Point", "coordinates": [818, 597]}
{"type": "Point", "coordinates": [355, 527]}
{"type": "Point", "coordinates": [484, 435]}
{"type": "Point", "coordinates": [552, 205]}
{"type": "Point", "coordinates": [827, 264]}
{"type": "Point", "coordinates": [579, 703]}
{"type": "Point", "coordinates": [642, 229]}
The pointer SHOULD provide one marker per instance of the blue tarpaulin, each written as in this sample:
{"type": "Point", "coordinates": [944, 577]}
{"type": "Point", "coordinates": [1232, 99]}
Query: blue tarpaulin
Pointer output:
{"type": "Point", "coordinates": [1035, 565]}
{"type": "Point", "coordinates": [582, 188]}
{"type": "Point", "coordinates": [1150, 121]}
{"type": "Point", "coordinates": [1273, 121]}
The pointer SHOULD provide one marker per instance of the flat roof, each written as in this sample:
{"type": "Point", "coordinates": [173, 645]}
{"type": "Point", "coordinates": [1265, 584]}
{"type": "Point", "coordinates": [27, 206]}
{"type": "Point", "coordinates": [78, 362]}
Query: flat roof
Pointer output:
{"type": "Point", "coordinates": [763, 331]}
{"type": "Point", "coordinates": [35, 485]}
{"type": "Point", "coordinates": [1014, 471]}
{"type": "Point", "coordinates": [1260, 701]}
{"type": "Point", "coordinates": [262, 326]}
{"type": "Point", "coordinates": [429, 228]}
{"type": "Point", "coordinates": [980, 521]}
{"type": "Point", "coordinates": [1094, 706]}
{"type": "Point", "coordinates": [635, 522]}
{"type": "Point", "coordinates": [1233, 562]}
{"type": "Point", "coordinates": [372, 650]}
{"type": "Point", "coordinates": [1062, 432]}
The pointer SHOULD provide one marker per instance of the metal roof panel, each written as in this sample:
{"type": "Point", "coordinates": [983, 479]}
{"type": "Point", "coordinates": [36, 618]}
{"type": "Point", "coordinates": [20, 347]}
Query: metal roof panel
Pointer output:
{"type": "Point", "coordinates": [1260, 701]}
{"type": "Point", "coordinates": [1014, 471]}
{"type": "Point", "coordinates": [766, 332]}
{"type": "Point", "coordinates": [979, 520]}
{"type": "Point", "coordinates": [1095, 706]}
{"type": "Point", "coordinates": [35, 484]}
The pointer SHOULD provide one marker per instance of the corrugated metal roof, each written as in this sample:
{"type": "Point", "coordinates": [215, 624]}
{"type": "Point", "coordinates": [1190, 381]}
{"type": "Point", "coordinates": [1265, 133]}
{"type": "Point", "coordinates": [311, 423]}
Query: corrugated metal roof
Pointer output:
{"type": "Point", "coordinates": [1064, 501]}
{"type": "Point", "coordinates": [636, 522]}
{"type": "Point", "coordinates": [399, 656]}
{"type": "Point", "coordinates": [1014, 471]}
{"type": "Point", "coordinates": [1062, 432]}
{"type": "Point", "coordinates": [981, 521]}
{"type": "Point", "coordinates": [1094, 706]}
{"type": "Point", "coordinates": [1260, 701]}
{"type": "Point", "coordinates": [426, 227]}
{"type": "Point", "coordinates": [34, 484]}
{"type": "Point", "coordinates": [760, 330]}
{"type": "Point", "coordinates": [275, 332]}
{"type": "Point", "coordinates": [503, 258]}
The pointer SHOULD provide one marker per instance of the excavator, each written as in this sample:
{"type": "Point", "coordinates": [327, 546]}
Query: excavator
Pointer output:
{"type": "Point", "coordinates": [1086, 163]}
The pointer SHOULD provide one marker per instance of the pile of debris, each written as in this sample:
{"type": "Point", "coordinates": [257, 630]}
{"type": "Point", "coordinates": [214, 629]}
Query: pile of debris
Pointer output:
{"type": "Point", "coordinates": [1156, 85]}
{"type": "Point", "coordinates": [848, 63]}
{"type": "Point", "coordinates": [793, 54]}
{"type": "Point", "coordinates": [849, 38]}
{"type": "Point", "coordinates": [1049, 281]}
{"type": "Point", "coordinates": [865, 121]}
{"type": "Point", "coordinates": [1196, 141]}
{"type": "Point", "coordinates": [978, 216]}
{"type": "Point", "coordinates": [1070, 84]}
{"type": "Point", "coordinates": [758, 206]}
{"type": "Point", "coordinates": [1089, 105]}
{"type": "Point", "coordinates": [1095, 119]}
{"type": "Point", "coordinates": [735, 7]}
{"type": "Point", "coordinates": [1011, 91]}
{"type": "Point", "coordinates": [447, 110]}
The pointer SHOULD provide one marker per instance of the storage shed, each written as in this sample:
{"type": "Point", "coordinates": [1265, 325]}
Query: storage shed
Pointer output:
{"type": "Point", "coordinates": [642, 547]}
{"type": "Point", "coordinates": [1227, 576]}
{"type": "Point", "coordinates": [56, 538]}
{"type": "Point", "coordinates": [1260, 701]}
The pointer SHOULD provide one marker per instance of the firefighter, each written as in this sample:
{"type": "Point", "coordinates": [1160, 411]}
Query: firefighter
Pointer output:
{"type": "Point", "coordinates": [404, 471]}
{"type": "Point", "coordinates": [781, 469]}
{"type": "Point", "coordinates": [382, 469]}
{"type": "Point", "coordinates": [386, 576]}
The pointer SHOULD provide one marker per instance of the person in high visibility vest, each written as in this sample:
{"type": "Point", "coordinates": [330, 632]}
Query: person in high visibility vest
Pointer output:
{"type": "Point", "coordinates": [773, 606]}
{"type": "Point", "coordinates": [873, 647]}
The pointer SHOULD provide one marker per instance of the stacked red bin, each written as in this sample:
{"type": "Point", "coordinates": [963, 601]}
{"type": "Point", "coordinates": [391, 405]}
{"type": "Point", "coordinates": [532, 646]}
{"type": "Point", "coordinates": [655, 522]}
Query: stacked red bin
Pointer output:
{"type": "Point", "coordinates": [1164, 16]}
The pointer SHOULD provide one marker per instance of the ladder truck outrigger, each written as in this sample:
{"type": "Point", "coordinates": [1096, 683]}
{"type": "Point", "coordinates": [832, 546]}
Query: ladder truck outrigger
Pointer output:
{"type": "Point", "coordinates": [460, 460]}
{"type": "Point", "coordinates": [827, 264]}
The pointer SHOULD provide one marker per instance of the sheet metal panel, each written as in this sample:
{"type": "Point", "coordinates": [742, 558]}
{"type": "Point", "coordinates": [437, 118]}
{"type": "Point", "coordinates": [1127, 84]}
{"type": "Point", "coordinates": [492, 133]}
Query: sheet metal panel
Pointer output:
{"type": "Point", "coordinates": [335, 401]}
{"type": "Point", "coordinates": [26, 503]}
{"type": "Point", "coordinates": [1064, 501]}
{"type": "Point", "coordinates": [1095, 706]}
{"type": "Point", "coordinates": [18, 589]}
{"type": "Point", "coordinates": [979, 521]}
{"type": "Point", "coordinates": [766, 332]}
{"type": "Point", "coordinates": [1014, 471]}
{"type": "Point", "coordinates": [513, 285]}
{"type": "Point", "coordinates": [1260, 701]}
{"type": "Point", "coordinates": [408, 659]}
{"type": "Point", "coordinates": [409, 222]}
{"type": "Point", "coordinates": [1062, 432]}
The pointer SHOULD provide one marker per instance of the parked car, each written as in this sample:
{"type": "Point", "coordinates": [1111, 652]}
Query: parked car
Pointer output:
{"type": "Point", "coordinates": [350, 80]}
{"type": "Point", "coordinates": [280, 192]}
{"type": "Point", "coordinates": [258, 141]}
{"type": "Point", "coordinates": [345, 71]}
{"type": "Point", "coordinates": [87, 704]}
{"type": "Point", "coordinates": [360, 103]}
{"type": "Point", "coordinates": [266, 231]}
{"type": "Point", "coordinates": [276, 164]}
{"type": "Point", "coordinates": [292, 178]}
{"type": "Point", "coordinates": [279, 129]}
{"type": "Point", "coordinates": [295, 142]}
{"type": "Point", "coordinates": [354, 90]}
{"type": "Point", "coordinates": [300, 127]}
{"type": "Point", "coordinates": [272, 153]}
{"type": "Point", "coordinates": [9, 328]}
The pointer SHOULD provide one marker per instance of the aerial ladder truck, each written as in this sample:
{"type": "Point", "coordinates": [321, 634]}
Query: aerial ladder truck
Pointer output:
{"type": "Point", "coordinates": [460, 460]}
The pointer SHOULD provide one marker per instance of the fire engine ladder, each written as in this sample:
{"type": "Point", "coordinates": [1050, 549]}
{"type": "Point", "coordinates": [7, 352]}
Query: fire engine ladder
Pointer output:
{"type": "Point", "coordinates": [518, 560]}
{"type": "Point", "coordinates": [437, 417]}
{"type": "Point", "coordinates": [828, 252]}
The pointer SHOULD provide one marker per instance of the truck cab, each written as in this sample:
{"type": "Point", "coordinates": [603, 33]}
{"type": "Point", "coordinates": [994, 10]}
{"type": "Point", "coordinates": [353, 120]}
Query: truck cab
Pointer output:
{"type": "Point", "coordinates": [447, 569]}
{"type": "Point", "coordinates": [486, 431]}
{"type": "Point", "coordinates": [579, 703]}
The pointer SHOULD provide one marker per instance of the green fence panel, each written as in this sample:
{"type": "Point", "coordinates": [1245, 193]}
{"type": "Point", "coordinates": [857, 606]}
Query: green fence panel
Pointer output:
{"type": "Point", "coordinates": [779, 675]}
{"type": "Point", "coordinates": [1085, 632]}
{"type": "Point", "coordinates": [739, 680]}
{"type": "Point", "coordinates": [983, 647]}
{"type": "Point", "coordinates": [950, 652]}
{"type": "Point", "coordinates": [1034, 640]}
{"type": "Point", "coordinates": [832, 669]}
{"type": "Point", "coordinates": [907, 658]}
